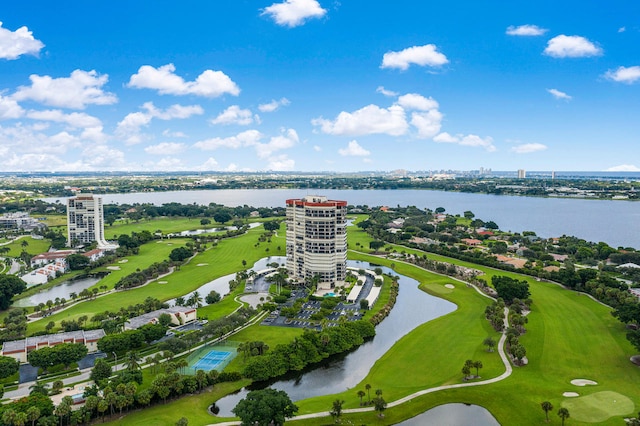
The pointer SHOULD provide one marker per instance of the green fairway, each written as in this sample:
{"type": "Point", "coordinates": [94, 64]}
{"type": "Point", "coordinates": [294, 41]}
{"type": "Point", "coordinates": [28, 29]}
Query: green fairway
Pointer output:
{"type": "Point", "coordinates": [166, 225]}
{"type": "Point", "coordinates": [598, 407]}
{"type": "Point", "coordinates": [34, 246]}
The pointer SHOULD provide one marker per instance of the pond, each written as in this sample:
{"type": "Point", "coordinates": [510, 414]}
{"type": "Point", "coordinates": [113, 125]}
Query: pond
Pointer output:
{"type": "Point", "coordinates": [413, 307]}
{"type": "Point", "coordinates": [453, 415]}
{"type": "Point", "coordinates": [62, 290]}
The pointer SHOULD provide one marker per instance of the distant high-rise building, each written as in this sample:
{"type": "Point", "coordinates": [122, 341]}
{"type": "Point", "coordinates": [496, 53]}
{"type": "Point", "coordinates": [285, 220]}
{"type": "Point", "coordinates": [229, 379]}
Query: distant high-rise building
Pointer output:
{"type": "Point", "coordinates": [85, 221]}
{"type": "Point", "coordinates": [317, 240]}
{"type": "Point", "coordinates": [522, 174]}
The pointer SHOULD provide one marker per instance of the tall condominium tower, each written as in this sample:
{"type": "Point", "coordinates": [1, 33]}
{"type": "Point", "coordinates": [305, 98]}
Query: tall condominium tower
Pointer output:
{"type": "Point", "coordinates": [85, 221]}
{"type": "Point", "coordinates": [317, 240]}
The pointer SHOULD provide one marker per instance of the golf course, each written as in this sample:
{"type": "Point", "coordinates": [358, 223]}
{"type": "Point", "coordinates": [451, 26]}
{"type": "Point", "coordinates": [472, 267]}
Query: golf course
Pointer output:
{"type": "Point", "coordinates": [569, 337]}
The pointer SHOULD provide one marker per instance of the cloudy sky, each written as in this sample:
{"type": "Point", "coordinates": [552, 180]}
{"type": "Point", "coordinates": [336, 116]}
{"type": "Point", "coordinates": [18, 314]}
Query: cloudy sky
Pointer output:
{"type": "Point", "coordinates": [319, 85]}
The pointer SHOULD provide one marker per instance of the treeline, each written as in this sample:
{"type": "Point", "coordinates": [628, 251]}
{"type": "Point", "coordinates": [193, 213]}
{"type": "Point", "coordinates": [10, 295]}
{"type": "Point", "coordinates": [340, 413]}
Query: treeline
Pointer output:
{"type": "Point", "coordinates": [131, 339]}
{"type": "Point", "coordinates": [214, 211]}
{"type": "Point", "coordinates": [311, 347]}
{"type": "Point", "coordinates": [138, 278]}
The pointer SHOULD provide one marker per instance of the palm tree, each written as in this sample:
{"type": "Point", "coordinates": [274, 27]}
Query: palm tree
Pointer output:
{"type": "Point", "coordinates": [33, 414]}
{"type": "Point", "coordinates": [378, 392]}
{"type": "Point", "coordinates": [368, 388]}
{"type": "Point", "coordinates": [336, 411]}
{"type": "Point", "coordinates": [564, 414]}
{"type": "Point", "coordinates": [133, 361]}
{"type": "Point", "coordinates": [546, 406]}
{"type": "Point", "coordinates": [380, 405]}
{"type": "Point", "coordinates": [477, 365]}
{"type": "Point", "coordinates": [40, 388]}
{"type": "Point", "coordinates": [490, 343]}
{"type": "Point", "coordinates": [361, 395]}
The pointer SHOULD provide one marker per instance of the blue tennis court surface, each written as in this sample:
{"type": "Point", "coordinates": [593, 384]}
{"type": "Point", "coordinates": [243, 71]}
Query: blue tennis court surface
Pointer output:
{"type": "Point", "coordinates": [211, 360]}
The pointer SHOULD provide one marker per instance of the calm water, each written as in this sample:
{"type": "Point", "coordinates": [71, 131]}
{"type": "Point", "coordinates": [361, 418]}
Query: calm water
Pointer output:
{"type": "Point", "coordinates": [614, 222]}
{"type": "Point", "coordinates": [64, 289]}
{"type": "Point", "coordinates": [413, 307]}
{"type": "Point", "coordinates": [453, 415]}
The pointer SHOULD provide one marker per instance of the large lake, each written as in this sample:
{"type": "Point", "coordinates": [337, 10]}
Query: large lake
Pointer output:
{"type": "Point", "coordinates": [614, 222]}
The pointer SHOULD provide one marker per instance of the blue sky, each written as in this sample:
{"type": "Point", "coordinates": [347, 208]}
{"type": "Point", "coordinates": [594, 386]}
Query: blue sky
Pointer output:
{"type": "Point", "coordinates": [306, 85]}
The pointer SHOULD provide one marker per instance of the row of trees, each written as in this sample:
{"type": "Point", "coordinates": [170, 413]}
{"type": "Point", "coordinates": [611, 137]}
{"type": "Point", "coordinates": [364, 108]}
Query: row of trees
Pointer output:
{"type": "Point", "coordinates": [310, 347]}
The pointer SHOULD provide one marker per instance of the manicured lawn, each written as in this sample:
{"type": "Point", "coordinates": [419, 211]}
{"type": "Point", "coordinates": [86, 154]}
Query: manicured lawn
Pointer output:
{"type": "Point", "coordinates": [167, 225]}
{"type": "Point", "coordinates": [34, 246]}
{"type": "Point", "coordinates": [194, 408]}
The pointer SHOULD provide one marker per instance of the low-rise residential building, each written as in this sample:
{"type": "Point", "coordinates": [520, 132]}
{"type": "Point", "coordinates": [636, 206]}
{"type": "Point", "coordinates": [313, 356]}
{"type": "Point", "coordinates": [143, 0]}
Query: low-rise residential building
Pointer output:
{"type": "Point", "coordinates": [179, 315]}
{"type": "Point", "coordinates": [18, 349]}
{"type": "Point", "coordinates": [94, 254]}
{"type": "Point", "coordinates": [50, 257]}
{"type": "Point", "coordinates": [42, 274]}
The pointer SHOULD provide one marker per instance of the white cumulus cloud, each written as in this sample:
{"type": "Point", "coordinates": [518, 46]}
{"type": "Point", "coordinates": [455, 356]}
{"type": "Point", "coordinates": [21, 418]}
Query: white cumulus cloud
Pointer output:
{"type": "Point", "coordinates": [466, 140]}
{"type": "Point", "coordinates": [373, 119]}
{"type": "Point", "coordinates": [165, 148]}
{"type": "Point", "coordinates": [528, 148]}
{"type": "Point", "coordinates": [281, 163]}
{"type": "Point", "coordinates": [426, 55]}
{"type": "Point", "coordinates": [624, 74]}
{"type": "Point", "coordinates": [286, 140]}
{"type": "Point", "coordinates": [75, 119]}
{"type": "Point", "coordinates": [292, 13]}
{"type": "Point", "coordinates": [129, 128]}
{"type": "Point", "coordinates": [526, 30]}
{"type": "Point", "coordinates": [354, 150]}
{"type": "Point", "coordinates": [246, 138]}
{"type": "Point", "coordinates": [559, 95]}
{"type": "Point", "coordinates": [564, 46]}
{"type": "Point", "coordinates": [273, 105]}
{"type": "Point", "coordinates": [390, 93]}
{"type": "Point", "coordinates": [80, 89]}
{"type": "Point", "coordinates": [234, 115]}
{"type": "Point", "coordinates": [369, 120]}
{"type": "Point", "coordinates": [209, 84]}
{"type": "Point", "coordinates": [14, 44]}
{"type": "Point", "coordinates": [623, 168]}
{"type": "Point", "coordinates": [419, 102]}
{"type": "Point", "coordinates": [9, 109]}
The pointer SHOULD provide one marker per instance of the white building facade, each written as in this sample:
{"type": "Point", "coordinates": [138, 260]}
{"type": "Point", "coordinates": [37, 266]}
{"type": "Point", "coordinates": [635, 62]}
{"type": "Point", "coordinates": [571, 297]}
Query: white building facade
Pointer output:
{"type": "Point", "coordinates": [317, 240]}
{"type": "Point", "coordinates": [85, 220]}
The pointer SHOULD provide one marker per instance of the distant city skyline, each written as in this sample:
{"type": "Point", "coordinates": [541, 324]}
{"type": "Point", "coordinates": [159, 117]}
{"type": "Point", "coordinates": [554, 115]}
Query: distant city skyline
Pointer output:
{"type": "Point", "coordinates": [315, 85]}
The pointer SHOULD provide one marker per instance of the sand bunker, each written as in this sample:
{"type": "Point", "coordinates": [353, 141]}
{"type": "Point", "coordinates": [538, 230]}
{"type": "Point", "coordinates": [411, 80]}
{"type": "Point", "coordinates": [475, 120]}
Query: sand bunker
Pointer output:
{"type": "Point", "coordinates": [113, 268]}
{"type": "Point", "coordinates": [162, 282]}
{"type": "Point", "coordinates": [202, 264]}
{"type": "Point", "coordinates": [583, 382]}
{"type": "Point", "coordinates": [570, 394]}
{"type": "Point", "coordinates": [123, 260]}
{"type": "Point", "coordinates": [450, 286]}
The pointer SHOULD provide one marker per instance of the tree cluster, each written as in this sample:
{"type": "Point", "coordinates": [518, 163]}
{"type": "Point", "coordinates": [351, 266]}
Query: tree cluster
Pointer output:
{"type": "Point", "coordinates": [509, 288]}
{"type": "Point", "coordinates": [311, 347]}
{"type": "Point", "coordinates": [265, 407]}
{"type": "Point", "coordinates": [64, 353]}
{"type": "Point", "coordinates": [138, 278]}
{"type": "Point", "coordinates": [10, 285]}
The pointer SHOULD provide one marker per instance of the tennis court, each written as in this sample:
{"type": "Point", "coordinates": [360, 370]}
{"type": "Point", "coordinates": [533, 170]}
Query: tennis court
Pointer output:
{"type": "Point", "coordinates": [212, 360]}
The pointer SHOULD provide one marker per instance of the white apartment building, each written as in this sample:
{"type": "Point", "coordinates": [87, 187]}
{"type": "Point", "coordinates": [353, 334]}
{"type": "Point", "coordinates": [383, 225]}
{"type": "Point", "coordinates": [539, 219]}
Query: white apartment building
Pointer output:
{"type": "Point", "coordinates": [85, 221]}
{"type": "Point", "coordinates": [317, 240]}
